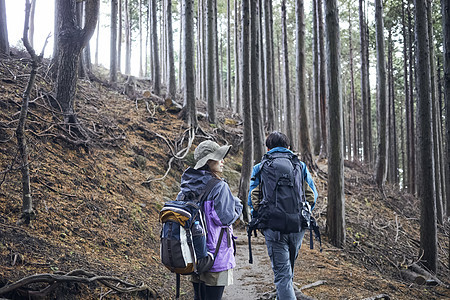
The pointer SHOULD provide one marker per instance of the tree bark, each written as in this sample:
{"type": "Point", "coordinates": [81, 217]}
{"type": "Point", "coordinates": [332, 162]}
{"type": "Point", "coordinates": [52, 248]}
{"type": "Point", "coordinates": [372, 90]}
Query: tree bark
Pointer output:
{"type": "Point", "coordinates": [303, 135]}
{"type": "Point", "coordinates": [364, 85]}
{"type": "Point", "coordinates": [322, 82]}
{"type": "Point", "coordinates": [119, 42]}
{"type": "Point", "coordinates": [316, 103]}
{"type": "Point", "coordinates": [381, 167]}
{"type": "Point", "coordinates": [32, 13]}
{"type": "Point", "coordinates": [425, 159]}
{"type": "Point", "coordinates": [210, 76]}
{"type": "Point", "coordinates": [229, 103]}
{"type": "Point", "coordinates": [237, 94]}
{"type": "Point", "coordinates": [188, 59]}
{"type": "Point", "coordinates": [287, 98]}
{"type": "Point", "coordinates": [258, 136]}
{"type": "Point", "coordinates": [245, 96]}
{"type": "Point", "coordinates": [412, 132]}
{"type": "Point", "coordinates": [4, 42]}
{"type": "Point", "coordinates": [171, 87]}
{"type": "Point", "coordinates": [407, 171]}
{"type": "Point", "coordinates": [156, 66]}
{"type": "Point", "coordinates": [354, 146]}
{"type": "Point", "coordinates": [446, 80]}
{"type": "Point", "coordinates": [268, 69]}
{"type": "Point", "coordinates": [113, 44]}
{"type": "Point", "coordinates": [336, 200]}
{"type": "Point", "coordinates": [128, 38]}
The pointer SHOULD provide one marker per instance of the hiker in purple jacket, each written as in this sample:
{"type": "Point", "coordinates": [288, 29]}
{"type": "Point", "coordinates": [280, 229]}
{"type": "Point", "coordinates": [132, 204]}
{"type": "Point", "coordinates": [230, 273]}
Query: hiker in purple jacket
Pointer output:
{"type": "Point", "coordinates": [221, 209]}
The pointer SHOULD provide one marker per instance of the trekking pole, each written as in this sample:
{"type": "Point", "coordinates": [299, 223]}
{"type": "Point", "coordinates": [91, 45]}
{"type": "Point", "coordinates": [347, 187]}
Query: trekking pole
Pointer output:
{"type": "Point", "coordinates": [249, 234]}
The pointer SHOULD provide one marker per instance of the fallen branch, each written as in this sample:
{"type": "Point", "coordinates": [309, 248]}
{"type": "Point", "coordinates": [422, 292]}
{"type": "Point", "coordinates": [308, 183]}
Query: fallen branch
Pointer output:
{"type": "Point", "coordinates": [379, 297]}
{"type": "Point", "coordinates": [314, 284]}
{"type": "Point", "coordinates": [79, 276]}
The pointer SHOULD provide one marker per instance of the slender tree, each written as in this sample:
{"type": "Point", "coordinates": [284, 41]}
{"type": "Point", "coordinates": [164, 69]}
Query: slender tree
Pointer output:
{"type": "Point", "coordinates": [336, 199]}
{"type": "Point", "coordinates": [237, 97]}
{"type": "Point", "coordinates": [446, 80]}
{"type": "Point", "coordinates": [245, 96]}
{"type": "Point", "coordinates": [268, 66]}
{"type": "Point", "coordinates": [119, 42]}
{"type": "Point", "coordinates": [315, 102]}
{"type": "Point", "coordinates": [31, 30]}
{"type": "Point", "coordinates": [303, 131]}
{"type": "Point", "coordinates": [229, 103]}
{"type": "Point", "coordinates": [171, 87]}
{"type": "Point", "coordinates": [155, 53]}
{"type": "Point", "coordinates": [381, 168]}
{"type": "Point", "coordinates": [188, 59]}
{"type": "Point", "coordinates": [211, 105]}
{"type": "Point", "coordinates": [352, 92]}
{"type": "Point", "coordinates": [258, 136]}
{"type": "Point", "coordinates": [4, 42]}
{"type": "Point", "coordinates": [127, 8]}
{"type": "Point", "coordinates": [287, 98]}
{"type": "Point", "coordinates": [406, 169]}
{"type": "Point", "coordinates": [411, 129]}
{"type": "Point", "coordinates": [322, 81]}
{"type": "Point", "coordinates": [113, 44]}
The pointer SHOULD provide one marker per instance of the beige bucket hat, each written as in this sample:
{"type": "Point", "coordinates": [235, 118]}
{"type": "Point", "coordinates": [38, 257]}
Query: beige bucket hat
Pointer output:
{"type": "Point", "coordinates": [207, 150]}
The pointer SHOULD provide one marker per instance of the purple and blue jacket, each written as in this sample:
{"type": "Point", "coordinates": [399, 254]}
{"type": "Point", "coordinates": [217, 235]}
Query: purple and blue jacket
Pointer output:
{"type": "Point", "coordinates": [221, 209]}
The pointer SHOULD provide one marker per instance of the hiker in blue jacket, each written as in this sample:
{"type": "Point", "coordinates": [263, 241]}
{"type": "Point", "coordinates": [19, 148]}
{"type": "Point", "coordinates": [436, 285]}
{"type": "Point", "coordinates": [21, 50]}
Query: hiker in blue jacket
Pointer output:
{"type": "Point", "coordinates": [221, 210]}
{"type": "Point", "coordinates": [282, 247]}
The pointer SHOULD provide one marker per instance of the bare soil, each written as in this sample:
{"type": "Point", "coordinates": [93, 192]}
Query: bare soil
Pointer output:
{"type": "Point", "coordinates": [96, 211]}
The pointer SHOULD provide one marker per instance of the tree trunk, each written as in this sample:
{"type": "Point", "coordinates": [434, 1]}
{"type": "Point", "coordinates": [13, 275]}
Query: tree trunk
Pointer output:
{"type": "Point", "coordinates": [156, 69]}
{"type": "Point", "coordinates": [435, 119]}
{"type": "Point", "coordinates": [406, 170]}
{"type": "Point", "coordinates": [217, 70]}
{"type": "Point", "coordinates": [119, 43]}
{"type": "Point", "coordinates": [237, 94]}
{"type": "Point", "coordinates": [315, 102]}
{"type": "Point", "coordinates": [4, 42]}
{"type": "Point", "coordinates": [381, 168]}
{"type": "Point", "coordinates": [262, 74]}
{"type": "Point", "coordinates": [303, 135]}
{"type": "Point", "coordinates": [188, 59]}
{"type": "Point", "coordinates": [171, 87]}
{"type": "Point", "coordinates": [412, 132]}
{"type": "Point", "coordinates": [141, 70]}
{"type": "Point", "coordinates": [336, 200]}
{"type": "Point", "coordinates": [425, 160]}
{"type": "Point", "coordinates": [258, 136]}
{"type": "Point", "coordinates": [446, 80]}
{"type": "Point", "coordinates": [322, 78]}
{"type": "Point", "coordinates": [32, 13]}
{"type": "Point", "coordinates": [288, 111]}
{"type": "Point", "coordinates": [364, 85]}
{"type": "Point", "coordinates": [113, 44]}
{"type": "Point", "coordinates": [210, 61]}
{"type": "Point", "coordinates": [245, 96]}
{"type": "Point", "coordinates": [127, 38]}
{"type": "Point", "coordinates": [97, 39]}
{"type": "Point", "coordinates": [268, 66]}
{"type": "Point", "coordinates": [229, 55]}
{"type": "Point", "coordinates": [352, 94]}
{"type": "Point", "coordinates": [70, 45]}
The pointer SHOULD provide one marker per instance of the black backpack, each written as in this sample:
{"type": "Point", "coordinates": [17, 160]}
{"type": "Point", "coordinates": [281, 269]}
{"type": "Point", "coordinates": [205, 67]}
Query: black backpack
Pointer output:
{"type": "Point", "coordinates": [282, 206]}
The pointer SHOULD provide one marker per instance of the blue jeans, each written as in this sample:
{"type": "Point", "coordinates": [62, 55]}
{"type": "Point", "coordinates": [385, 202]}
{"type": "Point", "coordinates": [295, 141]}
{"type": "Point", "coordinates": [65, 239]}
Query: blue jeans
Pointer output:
{"type": "Point", "coordinates": [283, 250]}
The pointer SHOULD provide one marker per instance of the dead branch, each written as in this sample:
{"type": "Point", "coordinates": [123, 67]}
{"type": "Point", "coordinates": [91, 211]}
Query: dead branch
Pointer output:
{"type": "Point", "coordinates": [79, 276]}
{"type": "Point", "coordinates": [179, 155]}
{"type": "Point", "coordinates": [314, 284]}
{"type": "Point", "coordinates": [53, 190]}
{"type": "Point", "coordinates": [378, 297]}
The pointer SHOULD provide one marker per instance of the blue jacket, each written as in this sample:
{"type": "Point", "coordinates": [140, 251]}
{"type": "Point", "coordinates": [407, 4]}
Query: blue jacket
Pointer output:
{"type": "Point", "coordinates": [310, 189]}
{"type": "Point", "coordinates": [221, 209]}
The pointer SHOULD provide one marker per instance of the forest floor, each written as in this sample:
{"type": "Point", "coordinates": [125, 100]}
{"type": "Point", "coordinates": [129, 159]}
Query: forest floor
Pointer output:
{"type": "Point", "coordinates": [97, 211]}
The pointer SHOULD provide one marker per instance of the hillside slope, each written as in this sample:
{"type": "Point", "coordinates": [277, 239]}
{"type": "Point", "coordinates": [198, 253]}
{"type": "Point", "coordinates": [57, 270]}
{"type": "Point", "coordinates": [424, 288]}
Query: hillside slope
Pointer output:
{"type": "Point", "coordinates": [96, 211]}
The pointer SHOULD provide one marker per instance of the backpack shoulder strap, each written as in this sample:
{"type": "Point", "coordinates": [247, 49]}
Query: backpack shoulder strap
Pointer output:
{"type": "Point", "coordinates": [209, 186]}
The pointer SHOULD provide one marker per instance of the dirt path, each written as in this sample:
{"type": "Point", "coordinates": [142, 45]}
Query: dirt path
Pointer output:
{"type": "Point", "coordinates": [251, 281]}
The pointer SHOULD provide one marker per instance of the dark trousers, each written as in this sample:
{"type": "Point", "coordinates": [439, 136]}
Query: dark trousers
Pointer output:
{"type": "Point", "coordinates": [206, 292]}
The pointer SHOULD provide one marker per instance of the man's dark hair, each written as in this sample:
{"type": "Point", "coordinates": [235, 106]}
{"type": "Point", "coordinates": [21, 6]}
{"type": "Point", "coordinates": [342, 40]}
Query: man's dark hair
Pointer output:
{"type": "Point", "coordinates": [277, 139]}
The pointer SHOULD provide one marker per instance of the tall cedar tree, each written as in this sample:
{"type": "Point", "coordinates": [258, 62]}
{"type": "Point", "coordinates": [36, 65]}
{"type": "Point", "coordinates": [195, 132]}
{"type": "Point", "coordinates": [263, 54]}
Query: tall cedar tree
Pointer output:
{"type": "Point", "coordinates": [425, 159]}
{"type": "Point", "coordinates": [171, 87]}
{"type": "Point", "coordinates": [446, 33]}
{"type": "Point", "coordinates": [229, 103]}
{"type": "Point", "coordinates": [113, 44]}
{"type": "Point", "coordinates": [71, 41]}
{"type": "Point", "coordinates": [237, 96]}
{"type": "Point", "coordinates": [322, 81]}
{"type": "Point", "coordinates": [336, 200]}
{"type": "Point", "coordinates": [257, 129]}
{"type": "Point", "coordinates": [127, 8]}
{"type": "Point", "coordinates": [4, 42]}
{"type": "Point", "coordinates": [303, 134]}
{"type": "Point", "coordinates": [246, 102]}
{"type": "Point", "coordinates": [286, 89]}
{"type": "Point", "coordinates": [364, 85]}
{"type": "Point", "coordinates": [381, 168]}
{"type": "Point", "coordinates": [268, 52]}
{"type": "Point", "coordinates": [188, 59]}
{"type": "Point", "coordinates": [210, 61]}
{"type": "Point", "coordinates": [316, 103]}
{"type": "Point", "coordinates": [155, 53]}
{"type": "Point", "coordinates": [406, 177]}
